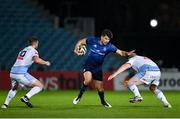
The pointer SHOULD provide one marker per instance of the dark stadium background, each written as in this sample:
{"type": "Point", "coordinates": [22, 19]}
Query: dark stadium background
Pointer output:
{"type": "Point", "coordinates": [129, 21]}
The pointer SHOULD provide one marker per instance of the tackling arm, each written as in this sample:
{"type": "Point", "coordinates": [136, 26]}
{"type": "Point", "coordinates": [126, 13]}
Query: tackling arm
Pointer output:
{"type": "Point", "coordinates": [120, 70]}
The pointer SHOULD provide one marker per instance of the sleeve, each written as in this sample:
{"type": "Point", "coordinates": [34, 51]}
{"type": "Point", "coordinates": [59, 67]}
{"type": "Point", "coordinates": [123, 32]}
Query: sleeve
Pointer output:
{"type": "Point", "coordinates": [131, 61]}
{"type": "Point", "coordinates": [112, 48]}
{"type": "Point", "coordinates": [35, 53]}
{"type": "Point", "coordinates": [90, 40]}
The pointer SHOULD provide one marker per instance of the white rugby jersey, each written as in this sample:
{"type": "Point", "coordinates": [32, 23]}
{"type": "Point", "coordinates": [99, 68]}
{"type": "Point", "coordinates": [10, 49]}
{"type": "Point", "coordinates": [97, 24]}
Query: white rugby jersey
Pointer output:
{"type": "Point", "coordinates": [141, 63]}
{"type": "Point", "coordinates": [24, 60]}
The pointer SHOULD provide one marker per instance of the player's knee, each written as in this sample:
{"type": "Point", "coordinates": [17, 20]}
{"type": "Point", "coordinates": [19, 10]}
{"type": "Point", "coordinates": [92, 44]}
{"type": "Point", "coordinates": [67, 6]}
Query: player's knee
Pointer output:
{"type": "Point", "coordinates": [41, 85]}
{"type": "Point", "coordinates": [152, 88]}
{"type": "Point", "coordinates": [38, 84]}
{"type": "Point", "coordinates": [99, 87]}
{"type": "Point", "coordinates": [15, 87]}
{"type": "Point", "coordinates": [87, 81]}
{"type": "Point", "coordinates": [129, 83]}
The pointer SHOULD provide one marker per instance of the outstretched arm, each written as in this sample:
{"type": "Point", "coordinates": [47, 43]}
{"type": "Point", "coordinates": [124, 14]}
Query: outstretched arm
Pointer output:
{"type": "Point", "coordinates": [78, 44]}
{"type": "Point", "coordinates": [124, 53]}
{"type": "Point", "coordinates": [38, 60]}
{"type": "Point", "coordinates": [120, 70]}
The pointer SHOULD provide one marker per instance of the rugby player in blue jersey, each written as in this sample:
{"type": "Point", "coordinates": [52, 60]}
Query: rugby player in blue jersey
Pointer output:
{"type": "Point", "coordinates": [92, 67]}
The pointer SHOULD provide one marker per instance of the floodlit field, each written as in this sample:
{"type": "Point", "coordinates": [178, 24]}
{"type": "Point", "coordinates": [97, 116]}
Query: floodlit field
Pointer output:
{"type": "Point", "coordinates": [59, 104]}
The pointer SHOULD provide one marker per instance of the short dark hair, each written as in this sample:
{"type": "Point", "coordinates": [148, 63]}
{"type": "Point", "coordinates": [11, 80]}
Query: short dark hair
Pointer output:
{"type": "Point", "coordinates": [32, 40]}
{"type": "Point", "coordinates": [107, 32]}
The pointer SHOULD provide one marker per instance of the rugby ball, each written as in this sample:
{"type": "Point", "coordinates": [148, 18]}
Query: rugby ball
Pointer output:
{"type": "Point", "coordinates": [82, 49]}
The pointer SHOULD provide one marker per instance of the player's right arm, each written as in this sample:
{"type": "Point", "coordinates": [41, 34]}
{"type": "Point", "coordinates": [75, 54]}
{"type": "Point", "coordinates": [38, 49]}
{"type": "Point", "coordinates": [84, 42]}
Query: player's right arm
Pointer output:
{"type": "Point", "coordinates": [78, 44]}
{"type": "Point", "coordinates": [120, 70]}
{"type": "Point", "coordinates": [38, 60]}
{"type": "Point", "coordinates": [124, 67]}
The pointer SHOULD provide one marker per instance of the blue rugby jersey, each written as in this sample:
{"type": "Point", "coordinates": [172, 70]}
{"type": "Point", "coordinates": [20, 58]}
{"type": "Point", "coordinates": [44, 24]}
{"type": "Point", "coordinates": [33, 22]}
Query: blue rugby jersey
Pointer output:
{"type": "Point", "coordinates": [97, 51]}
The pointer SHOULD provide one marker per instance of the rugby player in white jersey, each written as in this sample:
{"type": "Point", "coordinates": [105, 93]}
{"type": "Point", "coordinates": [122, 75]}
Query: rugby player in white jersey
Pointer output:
{"type": "Point", "coordinates": [19, 74]}
{"type": "Point", "coordinates": [147, 73]}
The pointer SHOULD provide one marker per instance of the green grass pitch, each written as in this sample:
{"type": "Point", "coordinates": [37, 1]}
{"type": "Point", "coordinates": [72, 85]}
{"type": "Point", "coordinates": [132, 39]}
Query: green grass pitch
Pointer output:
{"type": "Point", "coordinates": [58, 104]}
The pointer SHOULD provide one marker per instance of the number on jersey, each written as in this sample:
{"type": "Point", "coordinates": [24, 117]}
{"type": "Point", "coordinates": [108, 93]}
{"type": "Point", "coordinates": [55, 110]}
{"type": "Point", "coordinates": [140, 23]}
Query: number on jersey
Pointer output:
{"type": "Point", "coordinates": [21, 55]}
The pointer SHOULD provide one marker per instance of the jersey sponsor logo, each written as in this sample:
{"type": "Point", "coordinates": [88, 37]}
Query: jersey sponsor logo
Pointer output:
{"type": "Point", "coordinates": [95, 46]}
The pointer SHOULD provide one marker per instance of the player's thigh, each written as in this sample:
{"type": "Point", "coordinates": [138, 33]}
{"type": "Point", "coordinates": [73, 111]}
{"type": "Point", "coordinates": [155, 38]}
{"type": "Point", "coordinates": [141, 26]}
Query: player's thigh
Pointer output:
{"type": "Point", "coordinates": [134, 80]}
{"type": "Point", "coordinates": [138, 82]}
{"type": "Point", "coordinates": [87, 77]}
{"type": "Point", "coordinates": [97, 74]}
{"type": "Point", "coordinates": [33, 80]}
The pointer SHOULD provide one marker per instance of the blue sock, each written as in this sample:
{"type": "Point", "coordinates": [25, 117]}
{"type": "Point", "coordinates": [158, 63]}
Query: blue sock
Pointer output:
{"type": "Point", "coordinates": [82, 90]}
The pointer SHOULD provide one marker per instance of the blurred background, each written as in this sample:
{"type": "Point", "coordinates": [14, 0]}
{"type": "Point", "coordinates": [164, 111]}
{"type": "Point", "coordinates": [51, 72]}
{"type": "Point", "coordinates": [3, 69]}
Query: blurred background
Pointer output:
{"type": "Point", "coordinates": [151, 27]}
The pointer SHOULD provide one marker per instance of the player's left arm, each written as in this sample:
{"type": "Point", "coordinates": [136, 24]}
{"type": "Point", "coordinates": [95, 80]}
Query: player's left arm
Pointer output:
{"type": "Point", "coordinates": [120, 52]}
{"type": "Point", "coordinates": [38, 60]}
{"type": "Point", "coordinates": [120, 70]}
{"type": "Point", "coordinates": [124, 53]}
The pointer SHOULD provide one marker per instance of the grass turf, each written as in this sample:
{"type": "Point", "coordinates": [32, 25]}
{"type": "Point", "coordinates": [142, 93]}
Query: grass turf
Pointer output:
{"type": "Point", "coordinates": [53, 104]}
